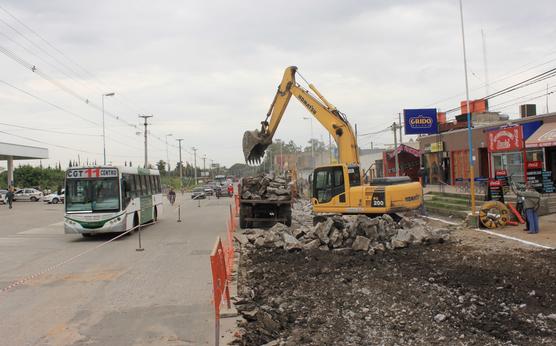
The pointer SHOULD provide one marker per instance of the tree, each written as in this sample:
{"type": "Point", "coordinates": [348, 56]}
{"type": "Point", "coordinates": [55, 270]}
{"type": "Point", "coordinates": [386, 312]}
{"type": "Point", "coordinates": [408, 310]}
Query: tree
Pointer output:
{"type": "Point", "coordinates": [161, 166]}
{"type": "Point", "coordinates": [318, 146]}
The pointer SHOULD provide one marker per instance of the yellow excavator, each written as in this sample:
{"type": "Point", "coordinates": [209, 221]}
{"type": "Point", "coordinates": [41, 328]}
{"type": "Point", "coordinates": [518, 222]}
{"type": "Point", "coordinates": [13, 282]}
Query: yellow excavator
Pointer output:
{"type": "Point", "coordinates": [337, 188]}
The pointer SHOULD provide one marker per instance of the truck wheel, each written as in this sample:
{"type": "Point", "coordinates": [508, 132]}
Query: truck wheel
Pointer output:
{"type": "Point", "coordinates": [242, 222]}
{"type": "Point", "coordinates": [244, 212]}
{"type": "Point", "coordinates": [286, 213]}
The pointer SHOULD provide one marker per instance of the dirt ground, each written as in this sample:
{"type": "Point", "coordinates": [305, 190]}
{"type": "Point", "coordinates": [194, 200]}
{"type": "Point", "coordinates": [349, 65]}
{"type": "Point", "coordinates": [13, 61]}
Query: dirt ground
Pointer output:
{"type": "Point", "coordinates": [475, 290]}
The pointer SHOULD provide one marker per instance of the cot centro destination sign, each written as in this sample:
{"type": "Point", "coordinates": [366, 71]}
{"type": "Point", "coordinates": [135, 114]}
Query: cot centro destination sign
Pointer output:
{"type": "Point", "coordinates": [420, 121]}
{"type": "Point", "coordinates": [92, 173]}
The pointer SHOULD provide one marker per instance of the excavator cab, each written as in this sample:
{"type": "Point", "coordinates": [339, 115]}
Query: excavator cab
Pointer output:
{"type": "Point", "coordinates": [331, 186]}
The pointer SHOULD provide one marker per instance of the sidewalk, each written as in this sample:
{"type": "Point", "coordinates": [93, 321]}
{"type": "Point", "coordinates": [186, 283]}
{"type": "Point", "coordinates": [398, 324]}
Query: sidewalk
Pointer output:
{"type": "Point", "coordinates": [546, 236]}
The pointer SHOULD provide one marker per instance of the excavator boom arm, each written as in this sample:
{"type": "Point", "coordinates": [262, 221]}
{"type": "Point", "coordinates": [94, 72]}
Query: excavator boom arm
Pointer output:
{"type": "Point", "coordinates": [256, 142]}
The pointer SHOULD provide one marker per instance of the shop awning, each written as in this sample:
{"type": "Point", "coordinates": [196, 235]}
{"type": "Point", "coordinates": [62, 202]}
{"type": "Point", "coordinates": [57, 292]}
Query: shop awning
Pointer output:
{"type": "Point", "coordinates": [545, 136]}
{"type": "Point", "coordinates": [404, 148]}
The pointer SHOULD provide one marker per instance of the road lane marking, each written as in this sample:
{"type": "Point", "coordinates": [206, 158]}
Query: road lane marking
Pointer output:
{"type": "Point", "coordinates": [514, 238]}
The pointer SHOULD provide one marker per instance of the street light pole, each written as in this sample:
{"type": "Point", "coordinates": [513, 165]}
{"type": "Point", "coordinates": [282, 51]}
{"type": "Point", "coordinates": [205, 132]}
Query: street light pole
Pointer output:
{"type": "Point", "coordinates": [103, 127]}
{"type": "Point", "coordinates": [180, 165]}
{"type": "Point", "coordinates": [146, 151]}
{"type": "Point", "coordinates": [204, 164]}
{"type": "Point", "coordinates": [167, 155]}
{"type": "Point", "coordinates": [195, 163]}
{"type": "Point", "coordinates": [469, 133]}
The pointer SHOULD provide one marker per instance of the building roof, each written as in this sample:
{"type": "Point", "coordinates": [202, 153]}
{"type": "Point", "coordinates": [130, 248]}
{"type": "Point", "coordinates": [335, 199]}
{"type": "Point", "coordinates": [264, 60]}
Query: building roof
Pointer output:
{"type": "Point", "coordinates": [22, 152]}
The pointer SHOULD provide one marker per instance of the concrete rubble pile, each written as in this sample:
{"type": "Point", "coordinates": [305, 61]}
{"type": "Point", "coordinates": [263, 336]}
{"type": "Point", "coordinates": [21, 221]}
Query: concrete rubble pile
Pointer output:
{"type": "Point", "coordinates": [347, 233]}
{"type": "Point", "coordinates": [264, 187]}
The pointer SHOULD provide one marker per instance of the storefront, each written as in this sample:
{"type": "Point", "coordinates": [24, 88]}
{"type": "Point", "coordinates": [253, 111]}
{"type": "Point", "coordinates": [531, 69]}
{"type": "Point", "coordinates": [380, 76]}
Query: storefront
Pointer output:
{"type": "Point", "coordinates": [506, 150]}
{"type": "Point", "coordinates": [408, 160]}
{"type": "Point", "coordinates": [436, 163]}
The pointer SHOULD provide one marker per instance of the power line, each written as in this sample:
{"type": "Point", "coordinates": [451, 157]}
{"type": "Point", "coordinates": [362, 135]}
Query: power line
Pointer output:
{"type": "Point", "coordinates": [71, 70]}
{"type": "Point", "coordinates": [50, 131]}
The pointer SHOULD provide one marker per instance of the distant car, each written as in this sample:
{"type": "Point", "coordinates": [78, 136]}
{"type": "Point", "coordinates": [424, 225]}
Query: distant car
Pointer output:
{"type": "Point", "coordinates": [198, 193]}
{"type": "Point", "coordinates": [209, 191]}
{"type": "Point", "coordinates": [32, 195]}
{"type": "Point", "coordinates": [54, 198]}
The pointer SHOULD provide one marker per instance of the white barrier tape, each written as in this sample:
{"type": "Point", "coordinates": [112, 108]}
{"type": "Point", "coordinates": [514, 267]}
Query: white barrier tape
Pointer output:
{"type": "Point", "coordinates": [514, 238]}
{"type": "Point", "coordinates": [51, 268]}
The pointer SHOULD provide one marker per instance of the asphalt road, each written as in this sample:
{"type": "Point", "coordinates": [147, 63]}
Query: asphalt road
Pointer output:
{"type": "Point", "coordinates": [113, 295]}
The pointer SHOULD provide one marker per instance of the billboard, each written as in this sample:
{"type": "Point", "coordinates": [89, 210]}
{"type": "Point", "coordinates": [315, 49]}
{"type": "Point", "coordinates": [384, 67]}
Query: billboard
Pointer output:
{"type": "Point", "coordinates": [506, 139]}
{"type": "Point", "coordinates": [420, 121]}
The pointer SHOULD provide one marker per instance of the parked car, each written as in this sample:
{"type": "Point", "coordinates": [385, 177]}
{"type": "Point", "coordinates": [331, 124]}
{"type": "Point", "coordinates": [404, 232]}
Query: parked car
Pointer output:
{"type": "Point", "coordinates": [3, 196]}
{"type": "Point", "coordinates": [54, 198]}
{"type": "Point", "coordinates": [198, 193]}
{"type": "Point", "coordinates": [32, 195]}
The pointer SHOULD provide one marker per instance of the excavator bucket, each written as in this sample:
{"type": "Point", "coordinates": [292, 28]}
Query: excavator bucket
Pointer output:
{"type": "Point", "coordinates": [254, 147]}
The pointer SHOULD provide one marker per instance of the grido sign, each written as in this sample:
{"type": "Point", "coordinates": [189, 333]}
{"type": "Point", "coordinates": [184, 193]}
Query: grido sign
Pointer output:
{"type": "Point", "coordinates": [420, 121]}
{"type": "Point", "coordinates": [508, 139]}
{"type": "Point", "coordinates": [85, 173]}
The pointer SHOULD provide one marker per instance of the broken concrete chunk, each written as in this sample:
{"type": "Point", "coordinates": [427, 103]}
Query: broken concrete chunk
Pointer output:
{"type": "Point", "coordinates": [241, 238]}
{"type": "Point", "coordinates": [289, 239]}
{"type": "Point", "coordinates": [361, 243]}
{"type": "Point", "coordinates": [323, 229]}
{"type": "Point", "coordinates": [313, 244]}
{"type": "Point", "coordinates": [259, 242]}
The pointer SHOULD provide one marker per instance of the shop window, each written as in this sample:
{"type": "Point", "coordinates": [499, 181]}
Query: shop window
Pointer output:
{"type": "Point", "coordinates": [512, 162]}
{"type": "Point", "coordinates": [535, 155]}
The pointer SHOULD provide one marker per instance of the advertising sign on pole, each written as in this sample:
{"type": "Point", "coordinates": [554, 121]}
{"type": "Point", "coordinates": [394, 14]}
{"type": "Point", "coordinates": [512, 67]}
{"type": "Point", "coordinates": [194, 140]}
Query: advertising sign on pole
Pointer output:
{"type": "Point", "coordinates": [420, 121]}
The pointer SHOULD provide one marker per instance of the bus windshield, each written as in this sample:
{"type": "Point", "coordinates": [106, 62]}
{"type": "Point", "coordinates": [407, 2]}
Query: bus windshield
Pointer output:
{"type": "Point", "coordinates": [92, 195]}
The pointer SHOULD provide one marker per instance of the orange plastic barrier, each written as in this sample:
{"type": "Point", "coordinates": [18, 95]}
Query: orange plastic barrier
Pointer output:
{"type": "Point", "coordinates": [219, 283]}
{"type": "Point", "coordinates": [236, 200]}
{"type": "Point", "coordinates": [230, 250]}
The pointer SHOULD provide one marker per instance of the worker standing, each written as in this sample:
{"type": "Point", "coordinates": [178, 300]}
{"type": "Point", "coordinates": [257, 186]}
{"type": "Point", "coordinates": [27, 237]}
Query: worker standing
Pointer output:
{"type": "Point", "coordinates": [10, 196]}
{"type": "Point", "coordinates": [531, 204]}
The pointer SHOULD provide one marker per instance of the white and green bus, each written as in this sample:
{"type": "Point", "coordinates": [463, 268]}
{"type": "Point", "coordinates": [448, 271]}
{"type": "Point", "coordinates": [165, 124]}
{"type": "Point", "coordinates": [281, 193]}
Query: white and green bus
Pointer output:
{"type": "Point", "coordinates": [110, 199]}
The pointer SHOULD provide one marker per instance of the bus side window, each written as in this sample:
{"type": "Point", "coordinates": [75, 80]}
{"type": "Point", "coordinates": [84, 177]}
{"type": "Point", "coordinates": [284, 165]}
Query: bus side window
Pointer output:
{"type": "Point", "coordinates": [143, 185]}
{"type": "Point", "coordinates": [148, 180]}
{"type": "Point", "coordinates": [131, 181]}
{"type": "Point", "coordinates": [137, 180]}
{"type": "Point", "coordinates": [153, 186]}
{"type": "Point", "coordinates": [158, 187]}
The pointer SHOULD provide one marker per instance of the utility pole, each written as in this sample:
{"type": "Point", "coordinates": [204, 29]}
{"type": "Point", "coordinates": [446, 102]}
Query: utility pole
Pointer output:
{"type": "Point", "coordinates": [103, 127]}
{"type": "Point", "coordinates": [204, 164]}
{"type": "Point", "coordinates": [195, 163]}
{"type": "Point", "coordinates": [394, 128]}
{"type": "Point", "coordinates": [180, 165]}
{"type": "Point", "coordinates": [469, 133]}
{"type": "Point", "coordinates": [146, 151]}
{"type": "Point", "coordinates": [167, 155]}
{"type": "Point", "coordinates": [400, 122]}
{"type": "Point", "coordinates": [210, 169]}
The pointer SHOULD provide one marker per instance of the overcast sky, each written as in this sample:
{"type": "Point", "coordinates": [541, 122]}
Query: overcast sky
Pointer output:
{"type": "Point", "coordinates": [208, 70]}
